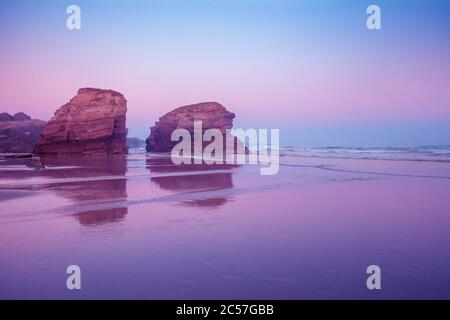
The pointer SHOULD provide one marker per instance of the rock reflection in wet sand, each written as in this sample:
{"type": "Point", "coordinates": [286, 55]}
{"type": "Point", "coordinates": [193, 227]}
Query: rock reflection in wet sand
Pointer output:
{"type": "Point", "coordinates": [98, 217]}
{"type": "Point", "coordinates": [193, 182]}
{"type": "Point", "coordinates": [91, 191]}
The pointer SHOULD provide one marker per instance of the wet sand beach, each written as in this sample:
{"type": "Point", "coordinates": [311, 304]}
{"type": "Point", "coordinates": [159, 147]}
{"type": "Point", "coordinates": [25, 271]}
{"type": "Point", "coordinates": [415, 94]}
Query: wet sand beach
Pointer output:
{"type": "Point", "coordinates": [140, 227]}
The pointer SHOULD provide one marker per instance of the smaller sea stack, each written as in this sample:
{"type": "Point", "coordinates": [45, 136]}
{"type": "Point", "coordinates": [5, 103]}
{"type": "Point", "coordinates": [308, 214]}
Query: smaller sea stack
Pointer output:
{"type": "Point", "coordinates": [212, 114]}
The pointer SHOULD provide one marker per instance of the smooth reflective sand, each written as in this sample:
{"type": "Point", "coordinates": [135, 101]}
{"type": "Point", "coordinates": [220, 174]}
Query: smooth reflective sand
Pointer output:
{"type": "Point", "coordinates": [140, 227]}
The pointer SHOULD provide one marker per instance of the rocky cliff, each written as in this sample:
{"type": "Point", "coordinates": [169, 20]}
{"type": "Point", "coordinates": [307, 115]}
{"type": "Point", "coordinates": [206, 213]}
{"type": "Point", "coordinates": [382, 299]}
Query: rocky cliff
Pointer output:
{"type": "Point", "coordinates": [92, 122]}
{"type": "Point", "coordinates": [18, 133]}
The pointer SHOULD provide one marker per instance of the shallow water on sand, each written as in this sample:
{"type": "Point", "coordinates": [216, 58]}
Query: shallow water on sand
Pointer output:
{"type": "Point", "coordinates": [140, 227]}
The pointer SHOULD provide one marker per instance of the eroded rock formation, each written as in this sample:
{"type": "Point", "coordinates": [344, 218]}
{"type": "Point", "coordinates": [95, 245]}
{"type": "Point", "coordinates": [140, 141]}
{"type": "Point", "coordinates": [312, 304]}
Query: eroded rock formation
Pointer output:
{"type": "Point", "coordinates": [93, 122]}
{"type": "Point", "coordinates": [212, 114]}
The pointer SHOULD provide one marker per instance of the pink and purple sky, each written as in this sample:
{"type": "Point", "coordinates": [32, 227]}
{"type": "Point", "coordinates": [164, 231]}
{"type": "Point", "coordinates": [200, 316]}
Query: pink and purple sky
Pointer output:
{"type": "Point", "coordinates": [310, 68]}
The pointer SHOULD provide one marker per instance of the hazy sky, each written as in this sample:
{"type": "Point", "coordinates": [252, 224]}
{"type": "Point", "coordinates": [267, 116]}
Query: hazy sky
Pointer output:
{"type": "Point", "coordinates": [310, 68]}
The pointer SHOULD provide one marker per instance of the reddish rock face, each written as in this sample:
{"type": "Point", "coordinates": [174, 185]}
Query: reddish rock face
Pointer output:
{"type": "Point", "coordinates": [18, 134]}
{"type": "Point", "coordinates": [93, 122]}
{"type": "Point", "coordinates": [212, 114]}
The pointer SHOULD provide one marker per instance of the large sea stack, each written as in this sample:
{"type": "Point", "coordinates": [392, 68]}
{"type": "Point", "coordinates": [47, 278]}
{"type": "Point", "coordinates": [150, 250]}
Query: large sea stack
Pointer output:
{"type": "Point", "coordinates": [92, 123]}
{"type": "Point", "coordinates": [212, 114]}
{"type": "Point", "coordinates": [18, 133]}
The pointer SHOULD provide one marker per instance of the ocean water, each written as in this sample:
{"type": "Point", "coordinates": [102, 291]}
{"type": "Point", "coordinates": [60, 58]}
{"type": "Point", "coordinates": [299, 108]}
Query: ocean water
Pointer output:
{"type": "Point", "coordinates": [421, 153]}
{"type": "Point", "coordinates": [140, 227]}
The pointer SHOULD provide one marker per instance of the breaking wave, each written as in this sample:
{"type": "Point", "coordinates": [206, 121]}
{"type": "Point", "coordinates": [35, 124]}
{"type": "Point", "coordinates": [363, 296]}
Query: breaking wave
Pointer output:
{"type": "Point", "coordinates": [421, 153]}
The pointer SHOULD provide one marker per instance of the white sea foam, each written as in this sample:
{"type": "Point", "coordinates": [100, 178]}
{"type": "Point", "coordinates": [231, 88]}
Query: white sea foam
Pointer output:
{"type": "Point", "coordinates": [421, 153]}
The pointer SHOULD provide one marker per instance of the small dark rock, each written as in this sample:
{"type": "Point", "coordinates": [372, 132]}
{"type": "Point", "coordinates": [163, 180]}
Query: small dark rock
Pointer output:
{"type": "Point", "coordinates": [36, 164]}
